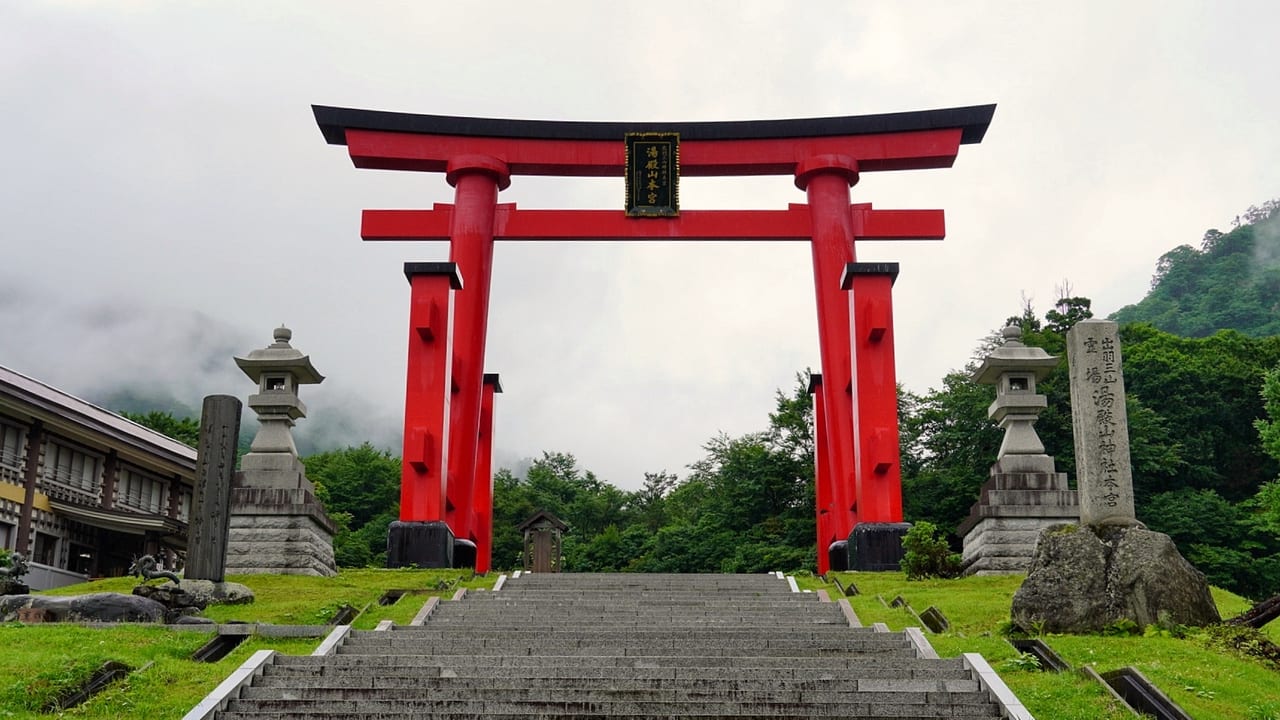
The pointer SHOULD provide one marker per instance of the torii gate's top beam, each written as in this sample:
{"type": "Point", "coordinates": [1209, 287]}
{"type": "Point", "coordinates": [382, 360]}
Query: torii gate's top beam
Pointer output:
{"type": "Point", "coordinates": [892, 141]}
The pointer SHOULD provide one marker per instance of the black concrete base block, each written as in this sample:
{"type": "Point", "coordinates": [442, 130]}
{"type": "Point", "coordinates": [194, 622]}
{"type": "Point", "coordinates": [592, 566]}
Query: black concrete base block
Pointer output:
{"type": "Point", "coordinates": [838, 555]}
{"type": "Point", "coordinates": [419, 544]}
{"type": "Point", "coordinates": [877, 546]}
{"type": "Point", "coordinates": [464, 553]}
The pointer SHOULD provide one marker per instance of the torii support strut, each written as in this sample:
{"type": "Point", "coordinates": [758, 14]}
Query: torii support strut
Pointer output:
{"type": "Point", "coordinates": [826, 157]}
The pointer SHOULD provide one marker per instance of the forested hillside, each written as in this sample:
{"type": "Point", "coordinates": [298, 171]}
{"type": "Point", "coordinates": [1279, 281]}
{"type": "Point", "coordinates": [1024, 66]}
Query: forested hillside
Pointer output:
{"type": "Point", "coordinates": [1232, 281]}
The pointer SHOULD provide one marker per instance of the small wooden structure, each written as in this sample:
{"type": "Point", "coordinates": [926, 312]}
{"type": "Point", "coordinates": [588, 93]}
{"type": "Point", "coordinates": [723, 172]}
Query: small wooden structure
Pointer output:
{"type": "Point", "coordinates": [542, 542]}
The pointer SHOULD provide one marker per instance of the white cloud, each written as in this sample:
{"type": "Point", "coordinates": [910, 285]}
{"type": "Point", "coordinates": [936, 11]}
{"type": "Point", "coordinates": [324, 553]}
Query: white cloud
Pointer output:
{"type": "Point", "coordinates": [162, 165]}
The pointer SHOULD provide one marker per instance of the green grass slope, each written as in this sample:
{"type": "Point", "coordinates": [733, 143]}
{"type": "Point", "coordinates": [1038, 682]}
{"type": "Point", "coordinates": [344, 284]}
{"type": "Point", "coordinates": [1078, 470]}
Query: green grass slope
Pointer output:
{"type": "Point", "coordinates": [1208, 681]}
{"type": "Point", "coordinates": [38, 662]}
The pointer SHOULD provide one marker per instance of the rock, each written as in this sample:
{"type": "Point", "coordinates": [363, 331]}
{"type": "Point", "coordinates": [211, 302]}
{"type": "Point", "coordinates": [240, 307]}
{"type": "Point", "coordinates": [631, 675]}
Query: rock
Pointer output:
{"type": "Point", "coordinates": [1084, 579]}
{"type": "Point", "coordinates": [192, 620]}
{"type": "Point", "coordinates": [96, 607]}
{"type": "Point", "coordinates": [203, 593]}
{"type": "Point", "coordinates": [172, 597]}
{"type": "Point", "coordinates": [12, 587]}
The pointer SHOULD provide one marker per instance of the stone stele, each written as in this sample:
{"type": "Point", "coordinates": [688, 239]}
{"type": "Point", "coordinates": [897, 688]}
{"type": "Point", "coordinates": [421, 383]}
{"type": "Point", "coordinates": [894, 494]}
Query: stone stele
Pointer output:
{"type": "Point", "coordinates": [1098, 417]}
{"type": "Point", "coordinates": [1084, 579]}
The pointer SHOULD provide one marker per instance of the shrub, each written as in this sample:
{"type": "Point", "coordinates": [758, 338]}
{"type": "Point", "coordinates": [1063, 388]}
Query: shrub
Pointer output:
{"type": "Point", "coordinates": [928, 554]}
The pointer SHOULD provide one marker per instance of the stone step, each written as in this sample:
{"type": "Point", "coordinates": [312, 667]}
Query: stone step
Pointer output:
{"type": "Point", "coordinates": [846, 642]}
{"type": "Point", "coordinates": [644, 619]}
{"type": "Point", "coordinates": [639, 693]}
{"type": "Point", "coordinates": [674, 597]}
{"type": "Point", "coordinates": [428, 634]}
{"type": "Point", "coordinates": [645, 652]}
{"type": "Point", "coordinates": [790, 713]}
{"type": "Point", "coordinates": [429, 631]}
{"type": "Point", "coordinates": [636, 614]}
{"type": "Point", "coordinates": [939, 707]}
{"type": "Point", "coordinates": [867, 666]}
{"type": "Point", "coordinates": [806, 684]}
{"type": "Point", "coordinates": [632, 614]}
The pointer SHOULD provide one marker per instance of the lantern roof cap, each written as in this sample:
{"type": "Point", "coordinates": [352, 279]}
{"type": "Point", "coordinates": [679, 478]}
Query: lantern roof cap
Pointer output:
{"type": "Point", "coordinates": [280, 356]}
{"type": "Point", "coordinates": [1014, 356]}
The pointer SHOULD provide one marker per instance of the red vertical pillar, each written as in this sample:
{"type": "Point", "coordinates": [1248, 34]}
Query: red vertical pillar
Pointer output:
{"type": "Point", "coordinates": [876, 542]}
{"type": "Point", "coordinates": [826, 180]}
{"type": "Point", "coordinates": [423, 482]}
{"type": "Point", "coordinates": [483, 494]}
{"type": "Point", "coordinates": [875, 425]}
{"type": "Point", "coordinates": [422, 536]}
{"type": "Point", "coordinates": [476, 180]}
{"type": "Point", "coordinates": [821, 477]}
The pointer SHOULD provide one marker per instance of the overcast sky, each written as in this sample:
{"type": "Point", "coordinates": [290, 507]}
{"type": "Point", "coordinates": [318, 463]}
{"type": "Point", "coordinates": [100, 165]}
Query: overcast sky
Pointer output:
{"type": "Point", "coordinates": [166, 198]}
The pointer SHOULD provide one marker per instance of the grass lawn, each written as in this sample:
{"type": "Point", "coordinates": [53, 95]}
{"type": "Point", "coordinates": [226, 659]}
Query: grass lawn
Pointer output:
{"type": "Point", "coordinates": [1208, 683]}
{"type": "Point", "coordinates": [39, 661]}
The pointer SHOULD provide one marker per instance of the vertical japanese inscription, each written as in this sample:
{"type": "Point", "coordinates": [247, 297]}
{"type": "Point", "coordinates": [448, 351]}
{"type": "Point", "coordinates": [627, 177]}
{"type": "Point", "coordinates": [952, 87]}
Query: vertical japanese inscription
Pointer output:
{"type": "Point", "coordinates": [653, 174]}
{"type": "Point", "coordinates": [1103, 473]}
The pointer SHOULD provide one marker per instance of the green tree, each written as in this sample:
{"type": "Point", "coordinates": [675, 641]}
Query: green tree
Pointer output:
{"type": "Point", "coordinates": [184, 430]}
{"type": "Point", "coordinates": [1206, 392]}
{"type": "Point", "coordinates": [948, 446]}
{"type": "Point", "coordinates": [512, 505]}
{"type": "Point", "coordinates": [360, 488]}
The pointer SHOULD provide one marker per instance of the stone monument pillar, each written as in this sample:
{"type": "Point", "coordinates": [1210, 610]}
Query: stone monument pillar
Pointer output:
{"type": "Point", "coordinates": [277, 525]}
{"type": "Point", "coordinates": [1101, 425]}
{"type": "Point", "coordinates": [1109, 567]}
{"type": "Point", "coordinates": [1025, 493]}
{"type": "Point", "coordinates": [215, 474]}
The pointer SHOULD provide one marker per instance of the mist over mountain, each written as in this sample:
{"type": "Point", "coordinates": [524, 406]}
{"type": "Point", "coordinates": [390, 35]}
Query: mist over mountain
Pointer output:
{"type": "Point", "coordinates": [124, 355]}
{"type": "Point", "coordinates": [1231, 282]}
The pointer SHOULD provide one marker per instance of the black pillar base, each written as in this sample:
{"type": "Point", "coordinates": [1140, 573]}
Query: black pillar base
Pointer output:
{"type": "Point", "coordinates": [419, 544]}
{"type": "Point", "coordinates": [877, 546]}
{"type": "Point", "coordinates": [838, 555]}
{"type": "Point", "coordinates": [464, 553]}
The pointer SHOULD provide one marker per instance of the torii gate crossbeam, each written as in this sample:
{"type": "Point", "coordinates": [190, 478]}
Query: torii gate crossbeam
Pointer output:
{"type": "Point", "coordinates": [858, 476]}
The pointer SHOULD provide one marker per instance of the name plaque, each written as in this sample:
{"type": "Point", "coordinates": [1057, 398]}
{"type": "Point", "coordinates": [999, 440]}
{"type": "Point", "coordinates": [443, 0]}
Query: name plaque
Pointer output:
{"type": "Point", "coordinates": [653, 174]}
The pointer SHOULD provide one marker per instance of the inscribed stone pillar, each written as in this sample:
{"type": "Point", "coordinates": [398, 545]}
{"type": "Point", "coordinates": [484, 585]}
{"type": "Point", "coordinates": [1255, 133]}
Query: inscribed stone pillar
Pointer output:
{"type": "Point", "coordinates": [210, 508]}
{"type": "Point", "coordinates": [1104, 478]}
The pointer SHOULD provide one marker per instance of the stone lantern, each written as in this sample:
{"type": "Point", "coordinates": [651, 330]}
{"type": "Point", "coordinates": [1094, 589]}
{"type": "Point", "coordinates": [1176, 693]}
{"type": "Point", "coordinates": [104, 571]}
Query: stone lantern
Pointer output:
{"type": "Point", "coordinates": [277, 525]}
{"type": "Point", "coordinates": [1024, 493]}
{"type": "Point", "coordinates": [1014, 369]}
{"type": "Point", "coordinates": [279, 370]}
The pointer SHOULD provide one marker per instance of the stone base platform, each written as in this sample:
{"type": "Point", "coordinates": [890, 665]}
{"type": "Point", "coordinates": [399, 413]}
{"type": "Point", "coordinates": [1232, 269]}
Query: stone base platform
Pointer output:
{"type": "Point", "coordinates": [1003, 546]}
{"type": "Point", "coordinates": [279, 531]}
{"type": "Point", "coordinates": [1003, 527]}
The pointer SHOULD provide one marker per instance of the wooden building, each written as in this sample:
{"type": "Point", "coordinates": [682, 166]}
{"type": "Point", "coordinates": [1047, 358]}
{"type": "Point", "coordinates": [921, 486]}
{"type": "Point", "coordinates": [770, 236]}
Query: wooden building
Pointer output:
{"type": "Point", "coordinates": [84, 490]}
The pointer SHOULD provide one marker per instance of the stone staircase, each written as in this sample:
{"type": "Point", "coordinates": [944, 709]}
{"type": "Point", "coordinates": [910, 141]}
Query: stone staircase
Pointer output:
{"type": "Point", "coordinates": [635, 646]}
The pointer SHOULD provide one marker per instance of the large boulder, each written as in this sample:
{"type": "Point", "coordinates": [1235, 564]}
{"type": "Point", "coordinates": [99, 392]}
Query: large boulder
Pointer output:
{"type": "Point", "coordinates": [1084, 579]}
{"type": "Point", "coordinates": [95, 607]}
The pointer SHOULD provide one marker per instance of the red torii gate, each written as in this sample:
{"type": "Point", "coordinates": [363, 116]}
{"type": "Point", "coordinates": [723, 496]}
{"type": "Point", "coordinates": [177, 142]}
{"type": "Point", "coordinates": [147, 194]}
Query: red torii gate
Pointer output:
{"type": "Point", "coordinates": [446, 487]}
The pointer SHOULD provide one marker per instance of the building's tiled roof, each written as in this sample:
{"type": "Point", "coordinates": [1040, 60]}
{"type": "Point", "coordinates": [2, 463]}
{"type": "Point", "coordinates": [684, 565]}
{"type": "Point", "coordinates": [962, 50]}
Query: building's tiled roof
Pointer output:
{"type": "Point", "coordinates": [35, 394]}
